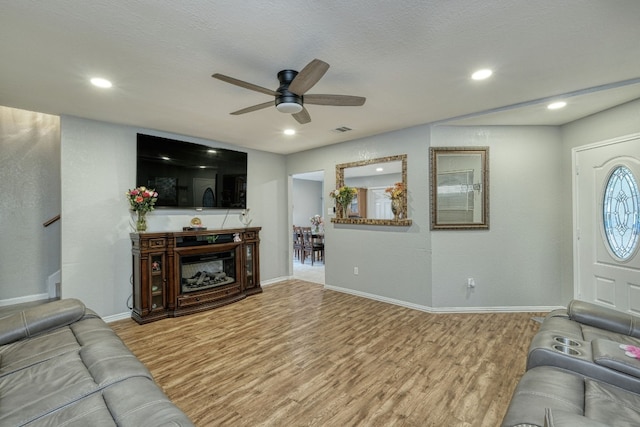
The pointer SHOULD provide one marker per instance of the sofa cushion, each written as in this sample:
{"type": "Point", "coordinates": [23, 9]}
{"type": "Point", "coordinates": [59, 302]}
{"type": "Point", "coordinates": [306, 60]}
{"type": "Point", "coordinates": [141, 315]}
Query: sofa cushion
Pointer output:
{"type": "Point", "coordinates": [39, 389]}
{"type": "Point", "coordinates": [541, 388]}
{"type": "Point", "coordinates": [606, 403]}
{"type": "Point", "coordinates": [39, 319]}
{"type": "Point", "coordinates": [24, 353]}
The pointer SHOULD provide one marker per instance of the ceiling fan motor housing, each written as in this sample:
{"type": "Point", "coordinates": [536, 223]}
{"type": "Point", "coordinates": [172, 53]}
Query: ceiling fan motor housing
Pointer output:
{"type": "Point", "coordinates": [288, 102]}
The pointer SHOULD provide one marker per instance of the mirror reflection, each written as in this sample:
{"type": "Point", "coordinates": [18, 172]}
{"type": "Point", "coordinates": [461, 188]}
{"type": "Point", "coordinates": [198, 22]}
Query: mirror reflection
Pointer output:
{"type": "Point", "coordinates": [370, 181]}
{"type": "Point", "coordinates": [371, 178]}
{"type": "Point", "coordinates": [459, 187]}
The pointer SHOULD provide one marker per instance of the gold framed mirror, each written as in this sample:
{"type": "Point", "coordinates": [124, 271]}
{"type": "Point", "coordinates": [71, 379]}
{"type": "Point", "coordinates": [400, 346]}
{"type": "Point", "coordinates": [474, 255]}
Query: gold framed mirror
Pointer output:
{"type": "Point", "coordinates": [459, 187]}
{"type": "Point", "coordinates": [370, 179]}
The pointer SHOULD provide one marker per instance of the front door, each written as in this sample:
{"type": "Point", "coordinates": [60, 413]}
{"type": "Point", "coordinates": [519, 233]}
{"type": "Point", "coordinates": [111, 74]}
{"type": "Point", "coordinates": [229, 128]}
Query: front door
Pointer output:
{"type": "Point", "coordinates": [607, 224]}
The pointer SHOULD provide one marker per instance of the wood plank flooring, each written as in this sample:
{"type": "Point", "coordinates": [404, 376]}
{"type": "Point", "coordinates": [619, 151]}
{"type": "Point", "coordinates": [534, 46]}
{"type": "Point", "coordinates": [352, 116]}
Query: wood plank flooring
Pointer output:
{"type": "Point", "coordinates": [299, 355]}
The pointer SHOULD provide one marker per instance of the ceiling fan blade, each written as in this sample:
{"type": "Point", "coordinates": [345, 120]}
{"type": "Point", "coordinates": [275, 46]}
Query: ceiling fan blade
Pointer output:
{"type": "Point", "coordinates": [338, 100]}
{"type": "Point", "coordinates": [302, 117]}
{"type": "Point", "coordinates": [245, 85]}
{"type": "Point", "coordinates": [308, 76]}
{"type": "Point", "coordinates": [254, 108]}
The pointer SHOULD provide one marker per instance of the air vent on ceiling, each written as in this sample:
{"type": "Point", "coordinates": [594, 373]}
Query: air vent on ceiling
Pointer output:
{"type": "Point", "coordinates": [342, 129]}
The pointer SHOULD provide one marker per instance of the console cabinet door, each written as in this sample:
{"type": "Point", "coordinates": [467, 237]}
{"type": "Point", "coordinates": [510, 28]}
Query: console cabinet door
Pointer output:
{"type": "Point", "coordinates": [157, 282]}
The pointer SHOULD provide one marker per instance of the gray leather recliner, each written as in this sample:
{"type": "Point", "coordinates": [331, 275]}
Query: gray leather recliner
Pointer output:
{"type": "Point", "coordinates": [577, 374]}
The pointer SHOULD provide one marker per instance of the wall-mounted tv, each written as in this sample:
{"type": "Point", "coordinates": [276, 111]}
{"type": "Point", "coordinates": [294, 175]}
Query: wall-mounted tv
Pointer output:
{"type": "Point", "coordinates": [188, 175]}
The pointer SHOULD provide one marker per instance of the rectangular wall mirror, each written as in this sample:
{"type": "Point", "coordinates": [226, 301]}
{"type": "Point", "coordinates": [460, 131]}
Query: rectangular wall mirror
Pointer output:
{"type": "Point", "coordinates": [459, 187]}
{"type": "Point", "coordinates": [370, 178]}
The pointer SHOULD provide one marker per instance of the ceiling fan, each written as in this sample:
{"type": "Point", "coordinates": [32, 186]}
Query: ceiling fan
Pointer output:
{"type": "Point", "coordinates": [291, 96]}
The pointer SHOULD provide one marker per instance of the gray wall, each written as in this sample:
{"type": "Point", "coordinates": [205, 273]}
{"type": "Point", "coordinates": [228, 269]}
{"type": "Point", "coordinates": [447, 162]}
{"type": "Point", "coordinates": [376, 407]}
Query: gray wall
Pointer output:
{"type": "Point", "coordinates": [29, 196]}
{"type": "Point", "coordinates": [524, 260]}
{"type": "Point", "coordinates": [307, 201]}
{"type": "Point", "coordinates": [517, 261]}
{"type": "Point", "coordinates": [98, 167]}
{"type": "Point", "coordinates": [394, 263]}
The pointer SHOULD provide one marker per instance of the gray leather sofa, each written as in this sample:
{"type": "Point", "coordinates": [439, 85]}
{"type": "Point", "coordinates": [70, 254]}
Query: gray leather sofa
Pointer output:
{"type": "Point", "coordinates": [577, 374]}
{"type": "Point", "coordinates": [61, 364]}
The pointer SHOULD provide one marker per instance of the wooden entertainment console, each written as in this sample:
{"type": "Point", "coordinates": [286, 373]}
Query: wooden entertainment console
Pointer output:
{"type": "Point", "coordinates": [179, 273]}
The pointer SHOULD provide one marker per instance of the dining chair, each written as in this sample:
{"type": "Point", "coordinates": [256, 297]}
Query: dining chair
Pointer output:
{"type": "Point", "coordinates": [298, 245]}
{"type": "Point", "coordinates": [311, 247]}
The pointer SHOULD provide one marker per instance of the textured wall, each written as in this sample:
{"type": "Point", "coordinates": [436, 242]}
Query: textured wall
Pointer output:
{"type": "Point", "coordinates": [99, 166]}
{"type": "Point", "coordinates": [29, 196]}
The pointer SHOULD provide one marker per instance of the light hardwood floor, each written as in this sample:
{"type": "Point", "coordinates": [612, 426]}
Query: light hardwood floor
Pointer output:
{"type": "Point", "coordinates": [299, 355]}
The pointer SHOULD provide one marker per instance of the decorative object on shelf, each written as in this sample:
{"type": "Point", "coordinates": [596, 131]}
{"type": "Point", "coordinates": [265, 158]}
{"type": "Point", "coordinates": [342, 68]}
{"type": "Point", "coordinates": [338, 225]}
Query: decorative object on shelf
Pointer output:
{"type": "Point", "coordinates": [344, 195]}
{"type": "Point", "coordinates": [397, 193]}
{"type": "Point", "coordinates": [316, 221]}
{"type": "Point", "coordinates": [141, 201]}
{"type": "Point", "coordinates": [194, 225]}
{"type": "Point", "coordinates": [237, 238]}
{"type": "Point", "coordinates": [244, 217]}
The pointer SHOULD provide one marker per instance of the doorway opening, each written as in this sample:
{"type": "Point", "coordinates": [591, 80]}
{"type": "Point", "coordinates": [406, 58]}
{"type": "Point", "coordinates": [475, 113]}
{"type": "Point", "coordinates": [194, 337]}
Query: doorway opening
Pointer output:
{"type": "Point", "coordinates": [308, 210]}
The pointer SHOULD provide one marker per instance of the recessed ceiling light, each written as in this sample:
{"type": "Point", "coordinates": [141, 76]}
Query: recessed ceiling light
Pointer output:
{"type": "Point", "coordinates": [556, 105]}
{"type": "Point", "coordinates": [100, 82]}
{"type": "Point", "coordinates": [379, 169]}
{"type": "Point", "coordinates": [482, 74]}
{"type": "Point", "coordinates": [202, 167]}
{"type": "Point", "coordinates": [289, 132]}
{"type": "Point", "coordinates": [212, 151]}
{"type": "Point", "coordinates": [165, 158]}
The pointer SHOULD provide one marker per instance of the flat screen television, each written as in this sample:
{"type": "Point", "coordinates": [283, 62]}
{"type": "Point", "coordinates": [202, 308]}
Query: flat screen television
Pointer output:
{"type": "Point", "coordinates": [191, 176]}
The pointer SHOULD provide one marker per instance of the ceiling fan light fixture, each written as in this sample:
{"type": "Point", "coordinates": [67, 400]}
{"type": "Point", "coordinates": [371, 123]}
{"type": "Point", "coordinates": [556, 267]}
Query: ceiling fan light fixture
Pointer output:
{"type": "Point", "coordinates": [289, 107]}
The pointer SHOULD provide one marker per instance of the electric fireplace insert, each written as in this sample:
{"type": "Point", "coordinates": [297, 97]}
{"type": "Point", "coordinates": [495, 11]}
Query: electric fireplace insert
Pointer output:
{"type": "Point", "coordinates": [206, 271]}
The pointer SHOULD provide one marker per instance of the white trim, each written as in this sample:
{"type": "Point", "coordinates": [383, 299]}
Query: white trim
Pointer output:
{"type": "Point", "coordinates": [20, 300]}
{"type": "Point", "coordinates": [115, 317]}
{"type": "Point", "coordinates": [264, 283]}
{"type": "Point", "coordinates": [515, 309]}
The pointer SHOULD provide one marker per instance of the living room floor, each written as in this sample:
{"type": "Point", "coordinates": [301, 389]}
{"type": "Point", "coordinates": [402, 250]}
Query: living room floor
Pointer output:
{"type": "Point", "coordinates": [300, 355]}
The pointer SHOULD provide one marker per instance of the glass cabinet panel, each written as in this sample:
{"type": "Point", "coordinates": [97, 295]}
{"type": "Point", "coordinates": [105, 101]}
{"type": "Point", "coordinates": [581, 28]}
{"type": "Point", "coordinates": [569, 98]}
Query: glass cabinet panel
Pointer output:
{"type": "Point", "coordinates": [249, 264]}
{"type": "Point", "coordinates": [157, 281]}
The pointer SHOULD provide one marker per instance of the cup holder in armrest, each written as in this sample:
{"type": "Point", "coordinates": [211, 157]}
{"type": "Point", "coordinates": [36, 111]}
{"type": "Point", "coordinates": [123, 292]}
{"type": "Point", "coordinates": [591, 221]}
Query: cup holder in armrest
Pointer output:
{"type": "Point", "coordinates": [567, 341]}
{"type": "Point", "coordinates": [566, 350]}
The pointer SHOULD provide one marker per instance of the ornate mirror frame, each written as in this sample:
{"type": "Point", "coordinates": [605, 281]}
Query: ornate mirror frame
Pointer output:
{"type": "Point", "coordinates": [459, 188]}
{"type": "Point", "coordinates": [372, 221]}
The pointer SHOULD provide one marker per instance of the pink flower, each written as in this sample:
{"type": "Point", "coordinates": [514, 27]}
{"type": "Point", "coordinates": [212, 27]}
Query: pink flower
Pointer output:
{"type": "Point", "coordinates": [139, 199]}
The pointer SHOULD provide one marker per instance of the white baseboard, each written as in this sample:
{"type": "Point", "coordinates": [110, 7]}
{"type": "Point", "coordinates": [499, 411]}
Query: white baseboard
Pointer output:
{"type": "Point", "coordinates": [264, 283]}
{"type": "Point", "coordinates": [20, 300]}
{"type": "Point", "coordinates": [495, 309]}
{"type": "Point", "coordinates": [120, 316]}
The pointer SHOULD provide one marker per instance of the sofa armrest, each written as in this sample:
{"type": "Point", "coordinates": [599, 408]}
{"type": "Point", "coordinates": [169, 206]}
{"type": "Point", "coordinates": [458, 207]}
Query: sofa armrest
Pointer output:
{"type": "Point", "coordinates": [39, 319]}
{"type": "Point", "coordinates": [559, 418]}
{"type": "Point", "coordinates": [604, 318]}
{"type": "Point", "coordinates": [609, 354]}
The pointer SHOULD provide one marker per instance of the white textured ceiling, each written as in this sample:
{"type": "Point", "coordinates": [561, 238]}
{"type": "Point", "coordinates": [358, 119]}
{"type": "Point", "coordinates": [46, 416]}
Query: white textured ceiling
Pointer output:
{"type": "Point", "coordinates": [411, 59]}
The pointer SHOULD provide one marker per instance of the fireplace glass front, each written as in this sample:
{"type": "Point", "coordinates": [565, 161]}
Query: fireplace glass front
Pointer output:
{"type": "Point", "coordinates": [199, 272]}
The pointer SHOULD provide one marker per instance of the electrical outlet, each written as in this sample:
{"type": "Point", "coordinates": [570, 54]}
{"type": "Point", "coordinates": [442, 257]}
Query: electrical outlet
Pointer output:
{"type": "Point", "coordinates": [355, 270]}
